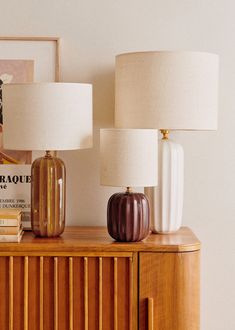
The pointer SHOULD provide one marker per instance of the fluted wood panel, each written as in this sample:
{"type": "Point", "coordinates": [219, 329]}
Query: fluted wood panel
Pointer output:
{"type": "Point", "coordinates": [4, 293]}
{"type": "Point", "coordinates": [34, 293]}
{"type": "Point", "coordinates": [66, 293]}
{"type": "Point", "coordinates": [11, 271]}
{"type": "Point", "coordinates": [48, 293]}
{"type": "Point", "coordinates": [84, 280]}
{"type": "Point", "coordinates": [108, 294]}
{"type": "Point", "coordinates": [18, 293]}
{"type": "Point", "coordinates": [63, 294]}
{"type": "Point", "coordinates": [123, 292]}
{"type": "Point", "coordinates": [41, 289]}
{"type": "Point", "coordinates": [78, 284]}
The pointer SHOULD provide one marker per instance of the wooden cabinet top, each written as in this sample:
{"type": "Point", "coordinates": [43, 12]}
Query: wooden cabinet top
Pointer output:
{"type": "Point", "coordinates": [96, 239]}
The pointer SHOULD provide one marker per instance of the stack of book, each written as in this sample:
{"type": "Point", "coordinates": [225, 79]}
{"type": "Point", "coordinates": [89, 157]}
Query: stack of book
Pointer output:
{"type": "Point", "coordinates": [10, 225]}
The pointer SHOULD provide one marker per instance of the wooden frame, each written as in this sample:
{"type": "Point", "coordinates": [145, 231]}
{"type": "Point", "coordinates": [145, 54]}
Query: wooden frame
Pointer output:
{"type": "Point", "coordinates": [55, 40]}
{"type": "Point", "coordinates": [45, 54]}
{"type": "Point", "coordinates": [27, 52]}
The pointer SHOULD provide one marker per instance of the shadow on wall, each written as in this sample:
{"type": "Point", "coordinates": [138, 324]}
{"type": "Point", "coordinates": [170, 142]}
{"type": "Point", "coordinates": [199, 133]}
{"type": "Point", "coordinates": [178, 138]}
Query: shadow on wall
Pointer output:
{"type": "Point", "coordinates": [86, 199]}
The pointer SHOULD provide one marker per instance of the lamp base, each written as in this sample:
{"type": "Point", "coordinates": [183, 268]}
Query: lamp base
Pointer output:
{"type": "Point", "coordinates": [128, 216]}
{"type": "Point", "coordinates": [48, 196]}
{"type": "Point", "coordinates": [166, 200]}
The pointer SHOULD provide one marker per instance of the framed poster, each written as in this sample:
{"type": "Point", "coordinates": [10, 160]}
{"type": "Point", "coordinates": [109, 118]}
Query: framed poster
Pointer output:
{"type": "Point", "coordinates": [22, 60]}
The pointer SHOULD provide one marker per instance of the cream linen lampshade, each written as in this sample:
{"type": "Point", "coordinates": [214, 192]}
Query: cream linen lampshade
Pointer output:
{"type": "Point", "coordinates": [47, 116]}
{"type": "Point", "coordinates": [128, 159]}
{"type": "Point", "coordinates": [167, 90]}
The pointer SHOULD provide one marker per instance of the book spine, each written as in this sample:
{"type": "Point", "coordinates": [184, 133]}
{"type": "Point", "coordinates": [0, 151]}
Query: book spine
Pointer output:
{"type": "Point", "coordinates": [13, 230]}
{"type": "Point", "coordinates": [9, 222]}
{"type": "Point", "coordinates": [11, 238]}
{"type": "Point", "coordinates": [26, 225]}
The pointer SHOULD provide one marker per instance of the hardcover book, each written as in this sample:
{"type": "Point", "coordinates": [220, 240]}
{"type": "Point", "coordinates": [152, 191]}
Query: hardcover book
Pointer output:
{"type": "Point", "coordinates": [12, 238]}
{"type": "Point", "coordinates": [10, 213]}
{"type": "Point", "coordinates": [15, 191]}
{"type": "Point", "coordinates": [10, 230]}
{"type": "Point", "coordinates": [4, 222]}
{"type": "Point", "coordinates": [10, 219]}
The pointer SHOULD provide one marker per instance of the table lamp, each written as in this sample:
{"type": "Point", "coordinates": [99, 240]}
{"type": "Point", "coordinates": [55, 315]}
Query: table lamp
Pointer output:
{"type": "Point", "coordinates": [47, 116]}
{"type": "Point", "coordinates": [167, 90]}
{"type": "Point", "coordinates": [128, 159]}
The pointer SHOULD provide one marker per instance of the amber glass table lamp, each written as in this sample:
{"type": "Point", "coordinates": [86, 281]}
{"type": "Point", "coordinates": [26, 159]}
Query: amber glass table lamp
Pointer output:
{"type": "Point", "coordinates": [128, 159]}
{"type": "Point", "coordinates": [47, 116]}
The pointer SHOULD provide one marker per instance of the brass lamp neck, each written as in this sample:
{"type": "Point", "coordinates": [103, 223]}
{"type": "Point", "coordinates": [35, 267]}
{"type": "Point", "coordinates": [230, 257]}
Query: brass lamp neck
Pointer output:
{"type": "Point", "coordinates": [48, 154]}
{"type": "Point", "coordinates": [165, 133]}
{"type": "Point", "coordinates": [128, 190]}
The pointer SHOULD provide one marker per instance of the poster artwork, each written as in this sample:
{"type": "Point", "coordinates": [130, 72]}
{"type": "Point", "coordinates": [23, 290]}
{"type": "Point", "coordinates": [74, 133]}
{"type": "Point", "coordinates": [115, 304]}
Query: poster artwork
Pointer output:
{"type": "Point", "coordinates": [15, 165]}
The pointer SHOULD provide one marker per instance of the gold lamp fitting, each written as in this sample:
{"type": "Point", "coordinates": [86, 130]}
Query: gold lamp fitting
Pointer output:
{"type": "Point", "coordinates": [128, 190]}
{"type": "Point", "coordinates": [165, 133]}
{"type": "Point", "coordinates": [48, 154]}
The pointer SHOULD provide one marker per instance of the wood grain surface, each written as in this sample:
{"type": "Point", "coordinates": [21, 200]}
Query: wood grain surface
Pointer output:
{"type": "Point", "coordinates": [68, 293]}
{"type": "Point", "coordinates": [85, 280]}
{"type": "Point", "coordinates": [96, 239]}
{"type": "Point", "coordinates": [170, 281]}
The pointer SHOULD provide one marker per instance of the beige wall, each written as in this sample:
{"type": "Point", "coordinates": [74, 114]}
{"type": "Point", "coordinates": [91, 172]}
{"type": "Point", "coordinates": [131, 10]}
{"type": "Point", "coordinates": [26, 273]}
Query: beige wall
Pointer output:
{"type": "Point", "coordinates": [92, 32]}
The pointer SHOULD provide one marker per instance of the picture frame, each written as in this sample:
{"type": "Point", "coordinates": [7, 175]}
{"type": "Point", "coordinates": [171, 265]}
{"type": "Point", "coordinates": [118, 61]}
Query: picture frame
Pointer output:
{"type": "Point", "coordinates": [17, 53]}
{"type": "Point", "coordinates": [45, 51]}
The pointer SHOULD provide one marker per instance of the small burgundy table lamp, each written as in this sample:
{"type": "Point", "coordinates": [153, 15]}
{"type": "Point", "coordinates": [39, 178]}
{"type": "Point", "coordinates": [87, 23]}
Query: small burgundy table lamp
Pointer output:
{"type": "Point", "coordinates": [128, 159]}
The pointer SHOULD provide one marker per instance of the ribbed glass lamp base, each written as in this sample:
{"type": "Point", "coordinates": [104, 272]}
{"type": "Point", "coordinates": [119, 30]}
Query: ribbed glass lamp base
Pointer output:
{"type": "Point", "coordinates": [48, 196]}
{"type": "Point", "coordinates": [128, 217]}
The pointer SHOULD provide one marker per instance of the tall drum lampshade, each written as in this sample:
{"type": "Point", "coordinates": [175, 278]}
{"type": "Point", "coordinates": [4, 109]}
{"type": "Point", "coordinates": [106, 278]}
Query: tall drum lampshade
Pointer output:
{"type": "Point", "coordinates": [47, 116]}
{"type": "Point", "coordinates": [170, 91]}
{"type": "Point", "coordinates": [128, 159]}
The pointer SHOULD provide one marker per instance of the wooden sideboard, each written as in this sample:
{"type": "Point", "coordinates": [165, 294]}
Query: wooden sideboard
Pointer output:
{"type": "Point", "coordinates": [84, 280]}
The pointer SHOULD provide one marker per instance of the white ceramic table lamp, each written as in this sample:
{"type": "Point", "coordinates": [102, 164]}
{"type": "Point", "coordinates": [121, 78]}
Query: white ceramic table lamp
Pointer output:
{"type": "Point", "coordinates": [128, 159]}
{"type": "Point", "coordinates": [47, 116]}
{"type": "Point", "coordinates": [169, 91]}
